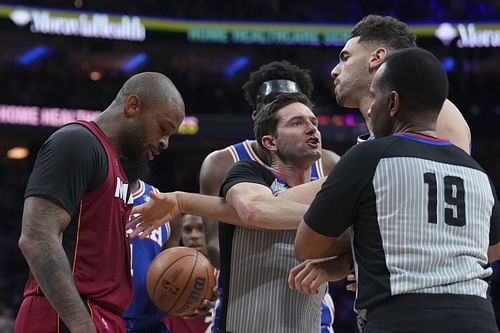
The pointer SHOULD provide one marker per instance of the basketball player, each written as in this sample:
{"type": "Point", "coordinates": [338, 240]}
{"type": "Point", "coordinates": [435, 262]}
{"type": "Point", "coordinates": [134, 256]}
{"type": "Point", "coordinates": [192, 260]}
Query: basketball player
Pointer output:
{"type": "Point", "coordinates": [255, 263]}
{"type": "Point", "coordinates": [423, 212]}
{"type": "Point", "coordinates": [267, 82]}
{"type": "Point", "coordinates": [193, 236]}
{"type": "Point", "coordinates": [370, 41]}
{"type": "Point", "coordinates": [77, 205]}
{"type": "Point", "coordinates": [142, 315]}
{"type": "Point", "coordinates": [294, 143]}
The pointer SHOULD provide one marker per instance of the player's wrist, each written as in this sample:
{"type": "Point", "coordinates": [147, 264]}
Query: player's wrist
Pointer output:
{"type": "Point", "coordinates": [179, 198]}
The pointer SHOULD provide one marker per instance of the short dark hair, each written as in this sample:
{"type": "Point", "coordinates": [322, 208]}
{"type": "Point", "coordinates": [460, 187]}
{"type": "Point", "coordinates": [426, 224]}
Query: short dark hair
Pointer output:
{"type": "Point", "coordinates": [389, 31]}
{"type": "Point", "coordinates": [418, 77]}
{"type": "Point", "coordinates": [266, 120]}
{"type": "Point", "coordinates": [277, 70]}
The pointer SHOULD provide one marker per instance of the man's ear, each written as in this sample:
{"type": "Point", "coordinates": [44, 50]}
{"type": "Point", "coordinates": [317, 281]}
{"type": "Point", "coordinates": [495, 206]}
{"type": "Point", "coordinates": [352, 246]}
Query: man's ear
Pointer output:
{"type": "Point", "coordinates": [269, 142]}
{"type": "Point", "coordinates": [133, 107]}
{"type": "Point", "coordinates": [377, 58]}
{"type": "Point", "coordinates": [254, 115]}
{"type": "Point", "coordinates": [394, 103]}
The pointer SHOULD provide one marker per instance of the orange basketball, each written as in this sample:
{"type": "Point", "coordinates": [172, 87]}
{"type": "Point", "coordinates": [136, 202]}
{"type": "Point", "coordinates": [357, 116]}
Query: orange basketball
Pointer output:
{"type": "Point", "coordinates": [179, 279]}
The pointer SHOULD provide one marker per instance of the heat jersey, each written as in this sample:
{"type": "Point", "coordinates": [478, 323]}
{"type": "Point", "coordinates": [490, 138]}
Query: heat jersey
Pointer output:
{"type": "Point", "coordinates": [90, 184]}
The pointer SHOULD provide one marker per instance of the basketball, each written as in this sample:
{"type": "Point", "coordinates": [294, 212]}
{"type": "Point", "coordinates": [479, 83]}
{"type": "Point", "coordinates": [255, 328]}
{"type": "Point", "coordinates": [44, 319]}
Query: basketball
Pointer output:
{"type": "Point", "coordinates": [179, 279]}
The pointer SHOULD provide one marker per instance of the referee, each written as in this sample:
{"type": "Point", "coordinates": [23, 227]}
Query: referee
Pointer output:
{"type": "Point", "coordinates": [424, 214]}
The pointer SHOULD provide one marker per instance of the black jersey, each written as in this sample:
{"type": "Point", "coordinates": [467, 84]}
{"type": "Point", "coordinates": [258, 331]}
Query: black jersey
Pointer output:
{"type": "Point", "coordinates": [423, 214]}
{"type": "Point", "coordinates": [254, 270]}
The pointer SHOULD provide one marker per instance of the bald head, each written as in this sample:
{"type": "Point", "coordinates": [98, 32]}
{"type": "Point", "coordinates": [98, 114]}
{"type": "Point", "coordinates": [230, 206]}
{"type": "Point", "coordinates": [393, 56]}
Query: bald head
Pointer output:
{"type": "Point", "coordinates": [152, 89]}
{"type": "Point", "coordinates": [147, 110]}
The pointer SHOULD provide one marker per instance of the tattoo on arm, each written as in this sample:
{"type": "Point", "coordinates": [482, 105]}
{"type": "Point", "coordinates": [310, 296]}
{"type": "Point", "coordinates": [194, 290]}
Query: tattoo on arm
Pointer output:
{"type": "Point", "coordinates": [43, 224]}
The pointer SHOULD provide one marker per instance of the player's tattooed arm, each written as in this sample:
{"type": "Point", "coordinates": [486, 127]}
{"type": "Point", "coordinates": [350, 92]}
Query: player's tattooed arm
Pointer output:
{"type": "Point", "coordinates": [43, 224]}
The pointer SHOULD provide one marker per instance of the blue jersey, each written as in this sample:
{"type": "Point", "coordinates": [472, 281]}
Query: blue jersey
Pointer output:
{"type": "Point", "coordinates": [364, 137]}
{"type": "Point", "coordinates": [244, 151]}
{"type": "Point", "coordinates": [142, 313]}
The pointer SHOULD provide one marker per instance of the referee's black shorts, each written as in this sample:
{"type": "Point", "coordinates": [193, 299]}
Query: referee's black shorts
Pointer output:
{"type": "Point", "coordinates": [432, 313]}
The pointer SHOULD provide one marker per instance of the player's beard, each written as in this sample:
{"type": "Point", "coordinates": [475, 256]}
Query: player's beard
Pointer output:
{"type": "Point", "coordinates": [136, 170]}
{"type": "Point", "coordinates": [132, 142]}
{"type": "Point", "coordinates": [351, 90]}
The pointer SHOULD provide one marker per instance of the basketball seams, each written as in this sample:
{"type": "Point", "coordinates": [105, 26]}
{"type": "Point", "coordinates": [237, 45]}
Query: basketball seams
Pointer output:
{"type": "Point", "coordinates": [208, 292]}
{"type": "Point", "coordinates": [166, 269]}
{"type": "Point", "coordinates": [155, 288]}
{"type": "Point", "coordinates": [188, 280]}
{"type": "Point", "coordinates": [195, 266]}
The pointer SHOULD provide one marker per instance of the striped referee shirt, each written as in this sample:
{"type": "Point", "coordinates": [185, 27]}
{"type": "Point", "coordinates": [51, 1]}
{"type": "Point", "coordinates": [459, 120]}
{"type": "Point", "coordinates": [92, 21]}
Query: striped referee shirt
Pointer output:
{"type": "Point", "coordinates": [423, 214]}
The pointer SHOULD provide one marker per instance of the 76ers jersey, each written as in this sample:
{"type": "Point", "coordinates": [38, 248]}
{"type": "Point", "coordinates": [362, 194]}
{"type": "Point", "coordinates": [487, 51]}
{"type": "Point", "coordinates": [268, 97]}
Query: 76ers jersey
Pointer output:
{"type": "Point", "coordinates": [142, 311]}
{"type": "Point", "coordinates": [243, 151]}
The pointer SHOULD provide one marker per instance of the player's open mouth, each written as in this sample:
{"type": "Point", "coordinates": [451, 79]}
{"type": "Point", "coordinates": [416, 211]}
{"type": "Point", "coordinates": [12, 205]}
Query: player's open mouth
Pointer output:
{"type": "Point", "coordinates": [313, 142]}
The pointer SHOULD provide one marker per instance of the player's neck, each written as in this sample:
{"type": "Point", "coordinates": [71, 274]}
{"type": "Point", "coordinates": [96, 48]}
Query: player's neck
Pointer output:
{"type": "Point", "coordinates": [364, 105]}
{"type": "Point", "coordinates": [292, 174]}
{"type": "Point", "coordinates": [108, 125]}
{"type": "Point", "coordinates": [261, 153]}
{"type": "Point", "coordinates": [420, 130]}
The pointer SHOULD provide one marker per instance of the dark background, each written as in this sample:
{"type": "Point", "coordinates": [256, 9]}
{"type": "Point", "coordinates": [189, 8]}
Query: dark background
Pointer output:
{"type": "Point", "coordinates": [213, 93]}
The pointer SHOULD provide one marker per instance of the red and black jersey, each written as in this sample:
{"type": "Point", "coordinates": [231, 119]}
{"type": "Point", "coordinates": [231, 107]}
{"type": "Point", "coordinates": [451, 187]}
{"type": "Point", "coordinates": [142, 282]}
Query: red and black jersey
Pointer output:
{"type": "Point", "coordinates": [80, 169]}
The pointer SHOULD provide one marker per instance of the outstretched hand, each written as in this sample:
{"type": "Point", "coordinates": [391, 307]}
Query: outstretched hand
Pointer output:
{"type": "Point", "coordinates": [161, 208]}
{"type": "Point", "coordinates": [308, 276]}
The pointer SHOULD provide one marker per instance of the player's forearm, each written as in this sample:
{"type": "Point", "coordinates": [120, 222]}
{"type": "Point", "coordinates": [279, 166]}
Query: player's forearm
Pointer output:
{"type": "Point", "coordinates": [274, 214]}
{"type": "Point", "coordinates": [43, 224]}
{"type": "Point", "coordinates": [214, 253]}
{"type": "Point", "coordinates": [343, 244]}
{"type": "Point", "coordinates": [212, 237]}
{"type": "Point", "coordinates": [214, 208]}
{"type": "Point", "coordinates": [304, 193]}
{"type": "Point", "coordinates": [339, 267]}
{"type": "Point", "coordinates": [49, 265]}
{"type": "Point", "coordinates": [494, 252]}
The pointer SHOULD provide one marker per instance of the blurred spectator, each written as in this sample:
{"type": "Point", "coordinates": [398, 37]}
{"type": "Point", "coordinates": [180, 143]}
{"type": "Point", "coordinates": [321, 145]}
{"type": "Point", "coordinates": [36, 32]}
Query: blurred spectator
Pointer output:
{"type": "Point", "coordinates": [6, 319]}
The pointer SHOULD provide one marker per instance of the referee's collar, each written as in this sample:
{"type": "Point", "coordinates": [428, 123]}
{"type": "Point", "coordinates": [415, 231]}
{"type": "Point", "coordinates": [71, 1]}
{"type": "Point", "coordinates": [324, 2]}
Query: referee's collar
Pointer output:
{"type": "Point", "coordinates": [423, 138]}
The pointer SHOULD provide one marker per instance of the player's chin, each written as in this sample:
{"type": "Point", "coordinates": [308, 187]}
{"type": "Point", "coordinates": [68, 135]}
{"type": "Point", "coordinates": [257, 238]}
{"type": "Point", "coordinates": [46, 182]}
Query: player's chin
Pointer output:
{"type": "Point", "coordinates": [346, 101]}
{"type": "Point", "coordinates": [315, 153]}
{"type": "Point", "coordinates": [339, 97]}
{"type": "Point", "coordinates": [310, 156]}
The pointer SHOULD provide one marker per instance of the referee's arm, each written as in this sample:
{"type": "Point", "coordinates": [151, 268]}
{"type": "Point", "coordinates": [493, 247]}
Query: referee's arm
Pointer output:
{"type": "Point", "coordinates": [494, 249]}
{"type": "Point", "coordinates": [494, 252]}
{"type": "Point", "coordinates": [325, 228]}
{"type": "Point", "coordinates": [310, 244]}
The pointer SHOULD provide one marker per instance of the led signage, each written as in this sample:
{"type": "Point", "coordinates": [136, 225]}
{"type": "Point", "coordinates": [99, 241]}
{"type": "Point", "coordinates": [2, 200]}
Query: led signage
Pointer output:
{"type": "Point", "coordinates": [84, 25]}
